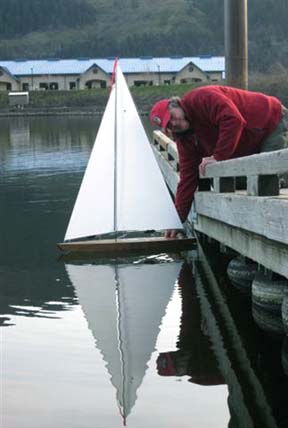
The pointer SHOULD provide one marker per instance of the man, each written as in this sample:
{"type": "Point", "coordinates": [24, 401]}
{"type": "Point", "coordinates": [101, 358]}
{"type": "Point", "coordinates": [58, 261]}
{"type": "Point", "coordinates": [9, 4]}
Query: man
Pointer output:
{"type": "Point", "coordinates": [215, 123]}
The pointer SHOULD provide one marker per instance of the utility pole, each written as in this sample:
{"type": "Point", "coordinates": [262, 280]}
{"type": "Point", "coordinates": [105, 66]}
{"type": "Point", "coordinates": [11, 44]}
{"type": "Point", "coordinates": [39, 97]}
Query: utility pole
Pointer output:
{"type": "Point", "coordinates": [236, 43]}
{"type": "Point", "coordinates": [159, 78]}
{"type": "Point", "coordinates": [32, 82]}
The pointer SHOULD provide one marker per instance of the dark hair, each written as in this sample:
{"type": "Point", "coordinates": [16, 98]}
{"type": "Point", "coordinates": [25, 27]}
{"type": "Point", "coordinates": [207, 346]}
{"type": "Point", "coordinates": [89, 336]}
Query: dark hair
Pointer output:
{"type": "Point", "coordinates": [174, 102]}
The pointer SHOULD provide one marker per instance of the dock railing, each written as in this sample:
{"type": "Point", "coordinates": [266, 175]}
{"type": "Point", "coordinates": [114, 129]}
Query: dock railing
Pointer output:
{"type": "Point", "coordinates": [254, 221]}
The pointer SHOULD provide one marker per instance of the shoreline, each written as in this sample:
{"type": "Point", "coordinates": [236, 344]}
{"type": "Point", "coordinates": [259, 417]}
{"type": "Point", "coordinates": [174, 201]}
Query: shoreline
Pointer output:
{"type": "Point", "coordinates": [56, 112]}
{"type": "Point", "coordinates": [52, 111]}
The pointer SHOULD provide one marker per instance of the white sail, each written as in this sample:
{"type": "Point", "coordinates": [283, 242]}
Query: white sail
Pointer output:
{"type": "Point", "coordinates": [124, 306]}
{"type": "Point", "coordinates": [143, 201]}
{"type": "Point", "coordinates": [93, 210]}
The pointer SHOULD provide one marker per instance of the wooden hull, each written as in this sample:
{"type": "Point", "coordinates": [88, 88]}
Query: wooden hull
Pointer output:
{"type": "Point", "coordinates": [127, 246]}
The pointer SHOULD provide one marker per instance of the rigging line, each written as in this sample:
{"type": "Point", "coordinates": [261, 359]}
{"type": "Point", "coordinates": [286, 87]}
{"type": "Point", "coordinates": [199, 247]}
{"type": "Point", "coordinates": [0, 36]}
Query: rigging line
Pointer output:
{"type": "Point", "coordinates": [115, 226]}
{"type": "Point", "coordinates": [120, 345]}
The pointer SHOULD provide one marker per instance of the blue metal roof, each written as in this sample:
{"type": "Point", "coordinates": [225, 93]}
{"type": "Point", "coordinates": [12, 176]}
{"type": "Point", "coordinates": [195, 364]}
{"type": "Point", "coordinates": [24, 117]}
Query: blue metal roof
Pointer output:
{"type": "Point", "coordinates": [78, 66]}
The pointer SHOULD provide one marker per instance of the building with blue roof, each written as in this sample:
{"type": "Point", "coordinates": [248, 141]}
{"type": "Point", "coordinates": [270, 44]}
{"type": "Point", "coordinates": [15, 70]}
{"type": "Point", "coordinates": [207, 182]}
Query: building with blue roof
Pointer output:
{"type": "Point", "coordinates": [83, 73]}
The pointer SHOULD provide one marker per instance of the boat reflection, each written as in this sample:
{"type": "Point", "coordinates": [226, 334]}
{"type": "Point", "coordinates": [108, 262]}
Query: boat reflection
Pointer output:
{"type": "Point", "coordinates": [124, 305]}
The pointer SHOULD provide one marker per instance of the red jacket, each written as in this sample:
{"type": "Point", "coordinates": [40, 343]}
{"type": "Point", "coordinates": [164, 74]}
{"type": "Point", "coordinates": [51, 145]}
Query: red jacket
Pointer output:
{"type": "Point", "coordinates": [227, 123]}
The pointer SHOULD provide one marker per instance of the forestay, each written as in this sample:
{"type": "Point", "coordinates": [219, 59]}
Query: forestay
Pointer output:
{"type": "Point", "coordinates": [123, 188]}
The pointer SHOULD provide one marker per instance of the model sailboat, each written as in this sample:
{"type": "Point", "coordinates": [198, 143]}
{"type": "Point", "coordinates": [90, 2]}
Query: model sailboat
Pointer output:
{"type": "Point", "coordinates": [123, 190]}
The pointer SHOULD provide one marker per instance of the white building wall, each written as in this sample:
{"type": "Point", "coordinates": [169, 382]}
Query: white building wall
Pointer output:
{"type": "Point", "coordinates": [95, 78]}
{"type": "Point", "coordinates": [34, 82]}
{"type": "Point", "coordinates": [191, 76]}
{"type": "Point", "coordinates": [156, 78]}
{"type": "Point", "coordinates": [215, 76]}
{"type": "Point", "coordinates": [5, 80]}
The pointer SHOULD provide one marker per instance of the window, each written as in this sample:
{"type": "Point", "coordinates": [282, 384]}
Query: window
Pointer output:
{"type": "Point", "coordinates": [143, 83]}
{"type": "Point", "coordinates": [25, 86]}
{"type": "Point", "coordinates": [95, 70]}
{"type": "Point", "coordinates": [72, 85]}
{"type": "Point", "coordinates": [43, 86]}
{"type": "Point", "coordinates": [53, 86]}
{"type": "Point", "coordinates": [103, 84]}
{"type": "Point", "coordinates": [195, 79]}
{"type": "Point", "coordinates": [190, 68]}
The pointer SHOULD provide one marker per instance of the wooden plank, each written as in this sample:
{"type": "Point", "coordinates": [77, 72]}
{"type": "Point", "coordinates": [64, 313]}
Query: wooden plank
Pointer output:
{"type": "Point", "coordinates": [172, 150]}
{"type": "Point", "coordinates": [127, 246]}
{"type": "Point", "coordinates": [268, 253]}
{"type": "Point", "coordinates": [266, 216]}
{"type": "Point", "coordinates": [266, 163]}
{"type": "Point", "coordinates": [169, 173]}
{"type": "Point", "coordinates": [172, 179]}
{"type": "Point", "coordinates": [167, 144]}
{"type": "Point", "coordinates": [161, 139]}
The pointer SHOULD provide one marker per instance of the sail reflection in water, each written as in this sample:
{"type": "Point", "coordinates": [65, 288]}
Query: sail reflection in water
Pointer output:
{"type": "Point", "coordinates": [124, 306]}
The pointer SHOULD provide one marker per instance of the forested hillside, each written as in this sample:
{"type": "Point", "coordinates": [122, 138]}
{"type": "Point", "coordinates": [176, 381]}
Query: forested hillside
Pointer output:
{"type": "Point", "coordinates": [20, 17]}
{"type": "Point", "coordinates": [99, 28]}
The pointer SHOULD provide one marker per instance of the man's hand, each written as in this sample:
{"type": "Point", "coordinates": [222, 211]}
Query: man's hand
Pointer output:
{"type": "Point", "coordinates": [204, 163]}
{"type": "Point", "coordinates": [168, 133]}
{"type": "Point", "coordinates": [170, 233]}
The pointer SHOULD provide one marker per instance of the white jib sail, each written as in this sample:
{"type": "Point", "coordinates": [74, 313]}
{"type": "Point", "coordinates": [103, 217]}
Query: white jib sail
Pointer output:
{"type": "Point", "coordinates": [143, 201]}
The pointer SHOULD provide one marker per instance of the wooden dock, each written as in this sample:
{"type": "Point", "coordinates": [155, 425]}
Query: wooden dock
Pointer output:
{"type": "Point", "coordinates": [253, 222]}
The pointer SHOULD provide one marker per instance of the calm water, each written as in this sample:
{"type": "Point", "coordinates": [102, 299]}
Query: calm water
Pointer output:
{"type": "Point", "coordinates": [140, 341]}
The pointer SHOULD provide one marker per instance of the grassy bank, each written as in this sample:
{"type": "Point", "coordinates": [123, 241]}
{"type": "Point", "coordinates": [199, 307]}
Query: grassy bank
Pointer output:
{"type": "Point", "coordinates": [275, 84]}
{"type": "Point", "coordinates": [94, 100]}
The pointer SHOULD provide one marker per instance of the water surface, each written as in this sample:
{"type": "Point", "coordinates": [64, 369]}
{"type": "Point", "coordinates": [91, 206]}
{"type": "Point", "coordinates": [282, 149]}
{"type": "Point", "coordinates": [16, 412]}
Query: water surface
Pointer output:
{"type": "Point", "coordinates": [142, 342]}
{"type": "Point", "coordinates": [90, 345]}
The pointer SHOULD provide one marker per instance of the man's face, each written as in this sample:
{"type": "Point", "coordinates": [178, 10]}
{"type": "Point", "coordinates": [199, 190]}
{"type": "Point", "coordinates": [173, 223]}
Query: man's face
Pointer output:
{"type": "Point", "coordinates": [178, 122]}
